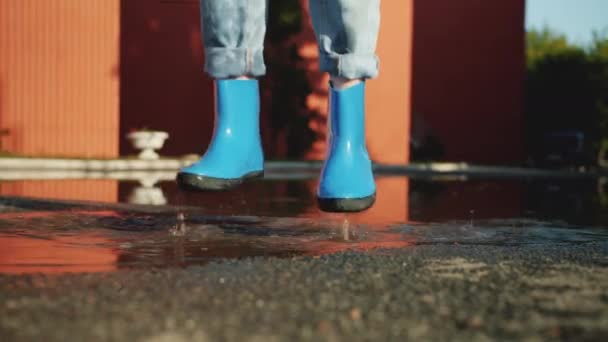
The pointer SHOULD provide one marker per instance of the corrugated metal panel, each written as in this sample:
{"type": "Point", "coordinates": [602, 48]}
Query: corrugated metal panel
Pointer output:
{"type": "Point", "coordinates": [161, 75]}
{"type": "Point", "coordinates": [59, 76]}
{"type": "Point", "coordinates": [388, 102]}
{"type": "Point", "coordinates": [468, 84]}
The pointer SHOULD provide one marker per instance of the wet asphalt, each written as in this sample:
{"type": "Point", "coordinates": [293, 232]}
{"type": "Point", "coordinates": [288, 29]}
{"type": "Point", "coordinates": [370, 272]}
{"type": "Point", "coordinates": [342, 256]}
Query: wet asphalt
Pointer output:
{"type": "Point", "coordinates": [434, 292]}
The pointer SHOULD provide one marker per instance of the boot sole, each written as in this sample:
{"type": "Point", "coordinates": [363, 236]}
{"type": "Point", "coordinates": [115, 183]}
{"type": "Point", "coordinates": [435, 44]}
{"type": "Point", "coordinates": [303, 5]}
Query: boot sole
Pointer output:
{"type": "Point", "coordinates": [192, 182]}
{"type": "Point", "coordinates": [346, 205]}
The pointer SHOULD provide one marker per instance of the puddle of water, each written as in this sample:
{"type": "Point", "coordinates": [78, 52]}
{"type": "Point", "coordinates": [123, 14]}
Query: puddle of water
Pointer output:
{"type": "Point", "coordinates": [279, 218]}
{"type": "Point", "coordinates": [89, 241]}
{"type": "Point", "coordinates": [76, 241]}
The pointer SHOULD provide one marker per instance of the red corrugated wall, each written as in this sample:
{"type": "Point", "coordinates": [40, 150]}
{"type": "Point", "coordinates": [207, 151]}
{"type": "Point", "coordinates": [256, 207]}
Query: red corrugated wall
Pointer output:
{"type": "Point", "coordinates": [468, 76]}
{"type": "Point", "coordinates": [162, 81]}
{"type": "Point", "coordinates": [59, 76]}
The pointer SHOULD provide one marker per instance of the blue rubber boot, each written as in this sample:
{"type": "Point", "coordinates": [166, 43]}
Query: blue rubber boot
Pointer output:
{"type": "Point", "coordinates": [347, 181]}
{"type": "Point", "coordinates": [235, 153]}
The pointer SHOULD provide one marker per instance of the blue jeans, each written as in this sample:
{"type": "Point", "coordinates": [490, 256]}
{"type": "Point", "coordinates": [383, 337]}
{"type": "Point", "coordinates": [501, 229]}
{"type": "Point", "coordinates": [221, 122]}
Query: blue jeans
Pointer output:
{"type": "Point", "coordinates": [346, 31]}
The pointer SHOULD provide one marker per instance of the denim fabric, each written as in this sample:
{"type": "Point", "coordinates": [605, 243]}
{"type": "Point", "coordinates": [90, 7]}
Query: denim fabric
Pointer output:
{"type": "Point", "coordinates": [346, 31]}
{"type": "Point", "coordinates": [233, 37]}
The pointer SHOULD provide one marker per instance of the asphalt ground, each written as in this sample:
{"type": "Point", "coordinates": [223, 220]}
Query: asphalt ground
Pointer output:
{"type": "Point", "coordinates": [450, 292]}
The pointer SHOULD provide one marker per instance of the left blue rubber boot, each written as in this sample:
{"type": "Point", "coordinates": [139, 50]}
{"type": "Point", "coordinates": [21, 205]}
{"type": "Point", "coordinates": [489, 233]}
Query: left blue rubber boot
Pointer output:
{"type": "Point", "coordinates": [235, 153]}
{"type": "Point", "coordinates": [347, 181]}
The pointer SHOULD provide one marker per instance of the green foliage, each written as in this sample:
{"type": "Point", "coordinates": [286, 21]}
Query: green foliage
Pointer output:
{"type": "Point", "coordinates": [566, 88]}
{"type": "Point", "coordinates": [599, 47]}
{"type": "Point", "coordinates": [540, 43]}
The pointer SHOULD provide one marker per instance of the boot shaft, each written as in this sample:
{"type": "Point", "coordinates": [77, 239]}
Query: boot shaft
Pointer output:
{"type": "Point", "coordinates": [347, 114]}
{"type": "Point", "coordinates": [237, 106]}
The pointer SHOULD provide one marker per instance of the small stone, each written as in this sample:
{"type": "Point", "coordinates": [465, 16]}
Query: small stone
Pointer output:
{"type": "Point", "coordinates": [444, 311]}
{"type": "Point", "coordinates": [475, 322]}
{"type": "Point", "coordinates": [555, 332]}
{"type": "Point", "coordinates": [11, 304]}
{"type": "Point", "coordinates": [428, 299]}
{"type": "Point", "coordinates": [355, 314]}
{"type": "Point", "coordinates": [323, 327]}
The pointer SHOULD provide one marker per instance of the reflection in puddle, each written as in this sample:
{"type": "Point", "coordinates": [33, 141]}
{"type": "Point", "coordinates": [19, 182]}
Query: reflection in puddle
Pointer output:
{"type": "Point", "coordinates": [147, 192]}
{"type": "Point", "coordinates": [279, 218]}
{"type": "Point", "coordinates": [90, 241]}
{"type": "Point", "coordinates": [88, 252]}
{"type": "Point", "coordinates": [79, 241]}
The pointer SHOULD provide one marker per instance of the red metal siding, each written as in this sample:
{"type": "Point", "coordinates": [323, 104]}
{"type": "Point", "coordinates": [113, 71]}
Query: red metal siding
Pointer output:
{"type": "Point", "coordinates": [58, 76]}
{"type": "Point", "coordinates": [162, 81]}
{"type": "Point", "coordinates": [468, 76]}
{"type": "Point", "coordinates": [59, 80]}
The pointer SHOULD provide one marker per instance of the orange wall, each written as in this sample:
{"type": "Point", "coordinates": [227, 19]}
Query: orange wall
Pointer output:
{"type": "Point", "coordinates": [468, 76]}
{"type": "Point", "coordinates": [58, 76]}
{"type": "Point", "coordinates": [389, 97]}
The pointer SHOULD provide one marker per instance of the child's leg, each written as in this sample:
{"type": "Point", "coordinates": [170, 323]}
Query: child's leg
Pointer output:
{"type": "Point", "coordinates": [347, 33]}
{"type": "Point", "coordinates": [233, 37]}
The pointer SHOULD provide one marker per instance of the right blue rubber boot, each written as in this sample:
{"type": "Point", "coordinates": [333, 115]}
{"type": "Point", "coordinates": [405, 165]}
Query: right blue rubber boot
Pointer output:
{"type": "Point", "coordinates": [235, 154]}
{"type": "Point", "coordinates": [347, 180]}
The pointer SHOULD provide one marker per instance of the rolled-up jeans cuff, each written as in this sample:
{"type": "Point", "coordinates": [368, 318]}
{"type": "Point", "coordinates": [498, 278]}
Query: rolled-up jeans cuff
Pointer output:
{"type": "Point", "coordinates": [223, 62]}
{"type": "Point", "coordinates": [350, 65]}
